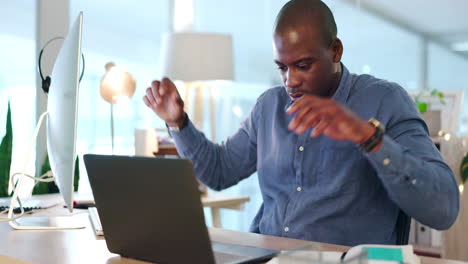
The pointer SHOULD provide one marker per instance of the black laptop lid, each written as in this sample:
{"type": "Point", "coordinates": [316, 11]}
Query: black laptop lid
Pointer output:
{"type": "Point", "coordinates": [150, 208]}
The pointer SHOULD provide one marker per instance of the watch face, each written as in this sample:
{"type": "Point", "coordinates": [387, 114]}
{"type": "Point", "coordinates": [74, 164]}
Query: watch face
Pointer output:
{"type": "Point", "coordinates": [374, 122]}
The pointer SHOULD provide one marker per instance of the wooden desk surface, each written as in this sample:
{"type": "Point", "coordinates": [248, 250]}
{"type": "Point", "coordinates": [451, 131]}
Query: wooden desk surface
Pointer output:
{"type": "Point", "coordinates": [82, 246]}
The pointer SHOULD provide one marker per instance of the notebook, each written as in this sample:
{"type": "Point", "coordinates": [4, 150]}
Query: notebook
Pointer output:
{"type": "Point", "coordinates": [150, 209]}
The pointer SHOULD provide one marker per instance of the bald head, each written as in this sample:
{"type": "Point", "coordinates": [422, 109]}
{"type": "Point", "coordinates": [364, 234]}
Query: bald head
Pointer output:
{"type": "Point", "coordinates": [307, 13]}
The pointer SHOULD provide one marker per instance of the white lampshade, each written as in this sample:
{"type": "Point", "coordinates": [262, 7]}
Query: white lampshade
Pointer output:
{"type": "Point", "coordinates": [193, 57]}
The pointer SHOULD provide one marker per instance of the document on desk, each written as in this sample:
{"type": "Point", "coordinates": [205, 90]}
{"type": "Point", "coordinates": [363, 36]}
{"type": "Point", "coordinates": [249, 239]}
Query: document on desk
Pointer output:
{"type": "Point", "coordinates": [307, 257]}
{"type": "Point", "coordinates": [9, 260]}
{"type": "Point", "coordinates": [366, 254]}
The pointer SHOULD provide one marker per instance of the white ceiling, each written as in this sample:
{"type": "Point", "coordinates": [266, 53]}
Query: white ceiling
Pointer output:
{"type": "Point", "coordinates": [442, 20]}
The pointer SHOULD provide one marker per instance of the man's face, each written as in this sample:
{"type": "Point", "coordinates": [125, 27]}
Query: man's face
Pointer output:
{"type": "Point", "coordinates": [307, 65]}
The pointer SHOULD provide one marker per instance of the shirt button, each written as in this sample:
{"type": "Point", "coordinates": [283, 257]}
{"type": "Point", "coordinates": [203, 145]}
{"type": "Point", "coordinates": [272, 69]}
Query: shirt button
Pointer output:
{"type": "Point", "coordinates": [301, 148]}
{"type": "Point", "coordinates": [413, 181]}
{"type": "Point", "coordinates": [286, 229]}
{"type": "Point", "coordinates": [386, 161]}
{"type": "Point", "coordinates": [299, 189]}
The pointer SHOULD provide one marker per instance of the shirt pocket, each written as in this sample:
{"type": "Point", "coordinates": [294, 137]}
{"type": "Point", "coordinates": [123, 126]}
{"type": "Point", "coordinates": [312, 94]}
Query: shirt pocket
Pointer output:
{"type": "Point", "coordinates": [342, 167]}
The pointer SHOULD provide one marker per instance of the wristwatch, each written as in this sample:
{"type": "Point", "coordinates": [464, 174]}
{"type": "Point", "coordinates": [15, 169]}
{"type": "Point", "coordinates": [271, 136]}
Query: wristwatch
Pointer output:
{"type": "Point", "coordinates": [376, 138]}
{"type": "Point", "coordinates": [177, 128]}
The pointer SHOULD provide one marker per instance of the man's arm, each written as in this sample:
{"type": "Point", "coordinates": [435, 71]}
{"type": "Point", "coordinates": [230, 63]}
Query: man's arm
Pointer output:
{"type": "Point", "coordinates": [219, 166]}
{"type": "Point", "coordinates": [411, 168]}
{"type": "Point", "coordinates": [407, 162]}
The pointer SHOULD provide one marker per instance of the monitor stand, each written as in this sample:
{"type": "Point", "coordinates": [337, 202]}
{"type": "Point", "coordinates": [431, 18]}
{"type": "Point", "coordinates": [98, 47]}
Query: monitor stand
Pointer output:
{"type": "Point", "coordinates": [40, 222]}
{"type": "Point", "coordinates": [47, 223]}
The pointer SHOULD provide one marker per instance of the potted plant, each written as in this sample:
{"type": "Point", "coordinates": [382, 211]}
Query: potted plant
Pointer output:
{"type": "Point", "coordinates": [423, 105]}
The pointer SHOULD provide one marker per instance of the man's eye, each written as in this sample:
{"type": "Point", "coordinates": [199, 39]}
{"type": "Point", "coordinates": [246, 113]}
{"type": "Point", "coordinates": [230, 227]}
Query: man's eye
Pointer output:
{"type": "Point", "coordinates": [281, 67]}
{"type": "Point", "coordinates": [303, 66]}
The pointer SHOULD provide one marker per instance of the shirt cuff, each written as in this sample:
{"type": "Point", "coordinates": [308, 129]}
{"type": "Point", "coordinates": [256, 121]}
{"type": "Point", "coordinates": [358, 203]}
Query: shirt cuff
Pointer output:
{"type": "Point", "coordinates": [187, 139]}
{"type": "Point", "coordinates": [389, 161]}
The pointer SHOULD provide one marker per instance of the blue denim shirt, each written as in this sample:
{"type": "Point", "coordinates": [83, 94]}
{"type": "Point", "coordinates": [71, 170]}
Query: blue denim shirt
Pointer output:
{"type": "Point", "coordinates": [331, 191]}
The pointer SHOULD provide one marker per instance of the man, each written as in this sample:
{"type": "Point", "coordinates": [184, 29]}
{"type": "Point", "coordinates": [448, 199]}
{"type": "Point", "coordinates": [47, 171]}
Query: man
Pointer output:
{"type": "Point", "coordinates": [325, 172]}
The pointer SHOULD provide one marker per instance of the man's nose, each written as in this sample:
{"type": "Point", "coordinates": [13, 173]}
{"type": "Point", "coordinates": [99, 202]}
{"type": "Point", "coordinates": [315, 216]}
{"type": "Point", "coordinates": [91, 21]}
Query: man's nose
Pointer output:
{"type": "Point", "coordinates": [292, 79]}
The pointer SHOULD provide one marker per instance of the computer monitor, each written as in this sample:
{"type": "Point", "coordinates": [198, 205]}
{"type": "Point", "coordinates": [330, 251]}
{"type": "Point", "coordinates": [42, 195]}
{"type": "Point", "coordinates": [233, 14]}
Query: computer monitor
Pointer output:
{"type": "Point", "coordinates": [62, 108]}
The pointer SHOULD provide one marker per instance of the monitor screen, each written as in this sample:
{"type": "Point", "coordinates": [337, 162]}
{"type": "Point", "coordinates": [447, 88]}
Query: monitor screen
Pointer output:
{"type": "Point", "coordinates": [62, 108]}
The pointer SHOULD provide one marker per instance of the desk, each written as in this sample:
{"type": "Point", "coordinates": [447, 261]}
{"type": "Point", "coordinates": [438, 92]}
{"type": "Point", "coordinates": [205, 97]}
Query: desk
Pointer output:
{"type": "Point", "coordinates": [166, 150]}
{"type": "Point", "coordinates": [217, 200]}
{"type": "Point", "coordinates": [82, 246]}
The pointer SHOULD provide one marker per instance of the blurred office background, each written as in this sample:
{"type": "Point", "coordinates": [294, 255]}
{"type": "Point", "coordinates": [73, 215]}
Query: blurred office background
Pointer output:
{"type": "Point", "coordinates": [408, 42]}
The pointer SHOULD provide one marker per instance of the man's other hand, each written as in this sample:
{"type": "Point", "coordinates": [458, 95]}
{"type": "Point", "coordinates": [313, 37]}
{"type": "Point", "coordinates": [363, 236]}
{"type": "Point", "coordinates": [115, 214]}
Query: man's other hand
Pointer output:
{"type": "Point", "coordinates": [164, 99]}
{"type": "Point", "coordinates": [328, 117]}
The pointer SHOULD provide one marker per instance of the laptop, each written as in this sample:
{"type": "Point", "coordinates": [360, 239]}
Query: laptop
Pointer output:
{"type": "Point", "coordinates": [150, 209]}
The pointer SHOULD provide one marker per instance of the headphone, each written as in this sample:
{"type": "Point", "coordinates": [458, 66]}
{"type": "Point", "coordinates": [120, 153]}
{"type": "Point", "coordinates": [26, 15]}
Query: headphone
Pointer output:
{"type": "Point", "coordinates": [47, 80]}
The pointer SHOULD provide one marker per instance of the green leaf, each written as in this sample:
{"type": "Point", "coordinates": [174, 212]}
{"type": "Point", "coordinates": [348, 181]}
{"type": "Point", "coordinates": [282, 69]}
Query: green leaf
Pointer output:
{"type": "Point", "coordinates": [76, 179]}
{"type": "Point", "coordinates": [6, 148]}
{"type": "Point", "coordinates": [464, 169]}
{"type": "Point", "coordinates": [422, 107]}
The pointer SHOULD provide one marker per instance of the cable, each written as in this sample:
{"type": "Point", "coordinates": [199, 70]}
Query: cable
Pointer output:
{"type": "Point", "coordinates": [46, 177]}
{"type": "Point", "coordinates": [15, 197]}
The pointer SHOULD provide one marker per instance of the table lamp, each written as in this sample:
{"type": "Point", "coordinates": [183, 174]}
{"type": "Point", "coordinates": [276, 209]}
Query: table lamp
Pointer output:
{"type": "Point", "coordinates": [116, 85]}
{"type": "Point", "coordinates": [198, 59]}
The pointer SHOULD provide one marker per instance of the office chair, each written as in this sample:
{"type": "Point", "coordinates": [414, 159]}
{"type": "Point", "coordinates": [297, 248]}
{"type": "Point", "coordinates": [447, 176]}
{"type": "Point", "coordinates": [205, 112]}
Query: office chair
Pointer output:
{"type": "Point", "coordinates": [403, 228]}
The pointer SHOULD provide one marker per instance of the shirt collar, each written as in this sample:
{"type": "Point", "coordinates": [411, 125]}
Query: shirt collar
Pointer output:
{"type": "Point", "coordinates": [341, 93]}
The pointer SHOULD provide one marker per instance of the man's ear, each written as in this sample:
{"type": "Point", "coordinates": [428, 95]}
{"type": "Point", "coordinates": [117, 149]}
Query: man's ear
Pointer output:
{"type": "Point", "coordinates": [337, 49]}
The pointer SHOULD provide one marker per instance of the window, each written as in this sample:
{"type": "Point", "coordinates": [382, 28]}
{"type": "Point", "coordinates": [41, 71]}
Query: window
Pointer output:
{"type": "Point", "coordinates": [447, 71]}
{"type": "Point", "coordinates": [377, 47]}
{"type": "Point", "coordinates": [128, 34]}
{"type": "Point", "coordinates": [18, 76]}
